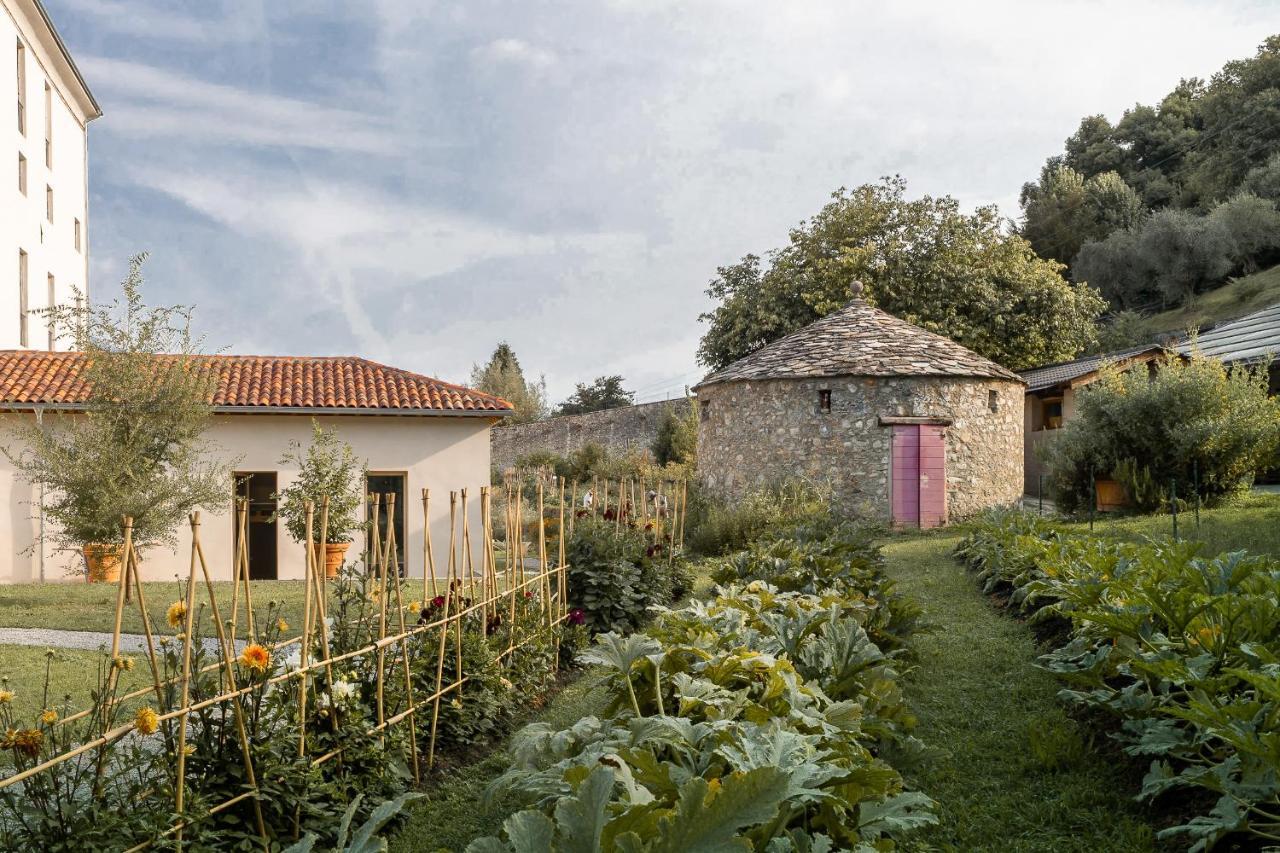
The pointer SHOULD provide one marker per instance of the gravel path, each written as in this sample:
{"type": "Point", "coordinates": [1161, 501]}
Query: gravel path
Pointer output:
{"type": "Point", "coordinates": [89, 640]}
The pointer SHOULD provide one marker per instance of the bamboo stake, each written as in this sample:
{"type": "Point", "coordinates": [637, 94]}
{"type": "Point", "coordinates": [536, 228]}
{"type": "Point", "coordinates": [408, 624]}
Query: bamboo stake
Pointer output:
{"type": "Point", "coordinates": [444, 632]}
{"type": "Point", "coordinates": [241, 517]}
{"type": "Point", "coordinates": [573, 500]}
{"type": "Point", "coordinates": [428, 562]}
{"type": "Point", "coordinates": [404, 649]}
{"type": "Point", "coordinates": [228, 652]}
{"type": "Point", "coordinates": [456, 579]}
{"type": "Point", "coordinates": [188, 626]}
{"type": "Point", "coordinates": [466, 548]}
{"type": "Point", "coordinates": [382, 623]}
{"type": "Point", "coordinates": [544, 585]}
{"type": "Point", "coordinates": [131, 564]}
{"type": "Point", "coordinates": [308, 576]}
{"type": "Point", "coordinates": [684, 499]}
{"type": "Point", "coordinates": [113, 676]}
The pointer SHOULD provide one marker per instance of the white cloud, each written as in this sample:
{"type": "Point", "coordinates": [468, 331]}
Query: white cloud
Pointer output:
{"type": "Point", "coordinates": [144, 101]}
{"type": "Point", "coordinates": [514, 51]}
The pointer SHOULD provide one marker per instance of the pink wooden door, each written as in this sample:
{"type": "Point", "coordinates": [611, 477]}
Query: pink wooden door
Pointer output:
{"type": "Point", "coordinates": [919, 472]}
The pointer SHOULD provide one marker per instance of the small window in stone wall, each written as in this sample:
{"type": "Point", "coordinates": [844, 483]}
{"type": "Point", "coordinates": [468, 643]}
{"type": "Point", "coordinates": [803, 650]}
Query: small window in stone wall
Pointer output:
{"type": "Point", "coordinates": [993, 401]}
{"type": "Point", "coordinates": [824, 401]}
{"type": "Point", "coordinates": [704, 409]}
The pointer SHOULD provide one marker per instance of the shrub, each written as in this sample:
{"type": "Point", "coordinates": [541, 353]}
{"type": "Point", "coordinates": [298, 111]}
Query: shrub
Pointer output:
{"type": "Point", "coordinates": [328, 468]}
{"type": "Point", "coordinates": [719, 527]}
{"type": "Point", "coordinates": [616, 574]}
{"type": "Point", "coordinates": [677, 438]}
{"type": "Point", "coordinates": [1193, 419]}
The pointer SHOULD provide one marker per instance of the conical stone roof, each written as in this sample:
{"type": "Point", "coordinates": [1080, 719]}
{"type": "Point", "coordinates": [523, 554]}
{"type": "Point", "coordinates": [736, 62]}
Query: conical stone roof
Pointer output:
{"type": "Point", "coordinates": [859, 340]}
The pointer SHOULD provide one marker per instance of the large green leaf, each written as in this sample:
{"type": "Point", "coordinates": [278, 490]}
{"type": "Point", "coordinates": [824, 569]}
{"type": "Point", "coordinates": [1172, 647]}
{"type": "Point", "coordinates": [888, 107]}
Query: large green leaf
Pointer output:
{"type": "Point", "coordinates": [708, 821]}
{"type": "Point", "coordinates": [580, 819]}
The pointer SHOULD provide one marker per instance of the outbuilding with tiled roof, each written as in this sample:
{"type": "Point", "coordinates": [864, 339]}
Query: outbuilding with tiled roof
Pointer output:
{"type": "Point", "coordinates": [901, 424]}
{"type": "Point", "coordinates": [413, 432]}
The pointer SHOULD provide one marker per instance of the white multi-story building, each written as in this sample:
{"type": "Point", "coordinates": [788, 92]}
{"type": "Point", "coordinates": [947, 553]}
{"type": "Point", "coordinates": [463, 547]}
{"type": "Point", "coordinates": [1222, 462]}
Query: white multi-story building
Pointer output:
{"type": "Point", "coordinates": [44, 173]}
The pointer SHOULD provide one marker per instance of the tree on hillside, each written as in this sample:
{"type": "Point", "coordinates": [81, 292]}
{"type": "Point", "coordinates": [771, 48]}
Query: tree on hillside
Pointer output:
{"type": "Point", "coordinates": [503, 377]}
{"type": "Point", "coordinates": [955, 273]}
{"type": "Point", "coordinates": [1064, 210]}
{"type": "Point", "coordinates": [1252, 224]}
{"type": "Point", "coordinates": [606, 392]}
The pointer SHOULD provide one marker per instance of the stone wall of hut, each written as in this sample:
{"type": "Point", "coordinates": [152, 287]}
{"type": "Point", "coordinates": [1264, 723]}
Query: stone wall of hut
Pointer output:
{"type": "Point", "coordinates": [756, 433]}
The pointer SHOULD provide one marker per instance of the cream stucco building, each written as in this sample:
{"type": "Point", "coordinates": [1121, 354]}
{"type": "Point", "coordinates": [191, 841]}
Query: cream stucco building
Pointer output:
{"type": "Point", "coordinates": [414, 433]}
{"type": "Point", "coordinates": [44, 238]}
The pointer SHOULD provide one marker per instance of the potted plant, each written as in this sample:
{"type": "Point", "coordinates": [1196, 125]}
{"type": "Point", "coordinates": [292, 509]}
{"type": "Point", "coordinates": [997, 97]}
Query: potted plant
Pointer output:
{"type": "Point", "coordinates": [328, 468]}
{"type": "Point", "coordinates": [136, 446]}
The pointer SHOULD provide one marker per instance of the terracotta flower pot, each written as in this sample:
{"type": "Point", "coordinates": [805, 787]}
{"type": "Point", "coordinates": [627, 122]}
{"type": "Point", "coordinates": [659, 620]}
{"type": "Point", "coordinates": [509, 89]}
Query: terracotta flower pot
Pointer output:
{"type": "Point", "coordinates": [334, 554]}
{"type": "Point", "coordinates": [102, 562]}
{"type": "Point", "coordinates": [1111, 495]}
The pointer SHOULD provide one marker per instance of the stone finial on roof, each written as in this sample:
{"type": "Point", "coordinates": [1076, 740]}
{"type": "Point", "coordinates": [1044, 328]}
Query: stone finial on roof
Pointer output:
{"type": "Point", "coordinates": [855, 291]}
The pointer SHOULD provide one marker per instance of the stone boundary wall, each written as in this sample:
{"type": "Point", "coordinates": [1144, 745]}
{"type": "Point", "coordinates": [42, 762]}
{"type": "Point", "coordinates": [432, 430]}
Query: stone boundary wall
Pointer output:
{"type": "Point", "coordinates": [616, 430]}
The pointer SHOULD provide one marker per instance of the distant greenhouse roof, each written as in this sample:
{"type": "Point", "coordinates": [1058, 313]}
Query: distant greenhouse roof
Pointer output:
{"type": "Point", "coordinates": [1251, 338]}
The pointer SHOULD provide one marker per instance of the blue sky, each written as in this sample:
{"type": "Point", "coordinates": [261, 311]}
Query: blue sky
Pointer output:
{"type": "Point", "coordinates": [413, 181]}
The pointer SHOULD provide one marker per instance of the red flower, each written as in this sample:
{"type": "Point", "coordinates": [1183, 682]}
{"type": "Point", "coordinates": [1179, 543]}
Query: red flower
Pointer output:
{"type": "Point", "coordinates": [577, 617]}
{"type": "Point", "coordinates": [438, 601]}
{"type": "Point", "coordinates": [528, 594]}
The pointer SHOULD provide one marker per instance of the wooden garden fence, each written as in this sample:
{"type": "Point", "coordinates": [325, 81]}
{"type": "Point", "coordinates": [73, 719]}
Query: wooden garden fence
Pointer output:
{"type": "Point", "coordinates": [491, 591]}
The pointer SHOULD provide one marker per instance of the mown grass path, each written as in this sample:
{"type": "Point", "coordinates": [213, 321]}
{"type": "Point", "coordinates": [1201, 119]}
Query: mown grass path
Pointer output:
{"type": "Point", "coordinates": [997, 730]}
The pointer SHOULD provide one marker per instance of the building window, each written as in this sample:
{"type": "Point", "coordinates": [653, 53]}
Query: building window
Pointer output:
{"type": "Point", "coordinates": [22, 174]}
{"type": "Point", "coordinates": [22, 88]}
{"type": "Point", "coordinates": [77, 231]}
{"type": "Point", "coordinates": [52, 327]}
{"type": "Point", "coordinates": [993, 401]}
{"type": "Point", "coordinates": [824, 401]}
{"type": "Point", "coordinates": [48, 126]}
{"type": "Point", "coordinates": [48, 203]}
{"type": "Point", "coordinates": [1051, 413]}
{"type": "Point", "coordinates": [22, 298]}
{"type": "Point", "coordinates": [704, 409]}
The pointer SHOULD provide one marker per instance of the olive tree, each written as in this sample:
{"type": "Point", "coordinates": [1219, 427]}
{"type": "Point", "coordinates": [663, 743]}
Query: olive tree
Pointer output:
{"type": "Point", "coordinates": [137, 446]}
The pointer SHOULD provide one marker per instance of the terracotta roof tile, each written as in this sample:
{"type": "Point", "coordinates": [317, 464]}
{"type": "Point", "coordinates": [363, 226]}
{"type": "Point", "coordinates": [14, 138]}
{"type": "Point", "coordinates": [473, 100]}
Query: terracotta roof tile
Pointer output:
{"type": "Point", "coordinates": [246, 381]}
{"type": "Point", "coordinates": [859, 340]}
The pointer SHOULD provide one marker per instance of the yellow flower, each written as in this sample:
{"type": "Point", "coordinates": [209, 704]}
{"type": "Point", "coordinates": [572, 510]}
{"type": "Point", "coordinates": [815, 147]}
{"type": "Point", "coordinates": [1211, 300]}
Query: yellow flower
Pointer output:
{"type": "Point", "coordinates": [147, 721]}
{"type": "Point", "coordinates": [1208, 635]}
{"type": "Point", "coordinates": [255, 658]}
{"type": "Point", "coordinates": [6, 696]}
{"type": "Point", "coordinates": [177, 614]}
{"type": "Point", "coordinates": [282, 625]}
{"type": "Point", "coordinates": [188, 750]}
{"type": "Point", "coordinates": [27, 742]}
{"type": "Point", "coordinates": [48, 717]}
{"type": "Point", "coordinates": [415, 606]}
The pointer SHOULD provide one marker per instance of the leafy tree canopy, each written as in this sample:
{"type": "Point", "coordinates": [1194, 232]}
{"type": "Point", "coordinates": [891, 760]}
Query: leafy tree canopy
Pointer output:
{"type": "Point", "coordinates": [925, 260]}
{"type": "Point", "coordinates": [503, 377]}
{"type": "Point", "coordinates": [606, 392]}
{"type": "Point", "coordinates": [138, 449]}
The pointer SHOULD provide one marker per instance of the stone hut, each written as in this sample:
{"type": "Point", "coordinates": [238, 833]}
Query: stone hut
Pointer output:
{"type": "Point", "coordinates": [906, 426]}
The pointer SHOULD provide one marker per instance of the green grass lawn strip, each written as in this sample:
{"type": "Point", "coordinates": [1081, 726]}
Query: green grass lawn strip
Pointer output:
{"type": "Point", "coordinates": [454, 811]}
{"type": "Point", "coordinates": [979, 696]}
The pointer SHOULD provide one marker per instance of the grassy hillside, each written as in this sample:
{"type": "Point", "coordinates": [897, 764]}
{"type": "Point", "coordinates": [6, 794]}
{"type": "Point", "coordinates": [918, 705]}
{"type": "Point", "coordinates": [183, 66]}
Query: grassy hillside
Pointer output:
{"type": "Point", "coordinates": [1241, 296]}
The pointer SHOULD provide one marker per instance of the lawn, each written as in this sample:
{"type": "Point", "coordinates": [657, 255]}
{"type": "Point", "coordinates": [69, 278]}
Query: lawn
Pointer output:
{"type": "Point", "coordinates": [1009, 769]}
{"type": "Point", "coordinates": [455, 810]}
{"type": "Point", "coordinates": [71, 673]}
{"type": "Point", "coordinates": [91, 607]}
{"type": "Point", "coordinates": [1251, 524]}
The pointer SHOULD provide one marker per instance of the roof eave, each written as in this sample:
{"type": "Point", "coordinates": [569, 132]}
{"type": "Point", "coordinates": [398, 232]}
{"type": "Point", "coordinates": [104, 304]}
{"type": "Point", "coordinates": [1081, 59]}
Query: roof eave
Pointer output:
{"type": "Point", "coordinates": [94, 110]}
{"type": "Point", "coordinates": [290, 410]}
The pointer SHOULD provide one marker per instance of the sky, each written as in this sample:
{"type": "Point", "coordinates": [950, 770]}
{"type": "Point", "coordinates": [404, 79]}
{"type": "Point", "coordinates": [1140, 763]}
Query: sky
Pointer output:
{"type": "Point", "coordinates": [414, 181]}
